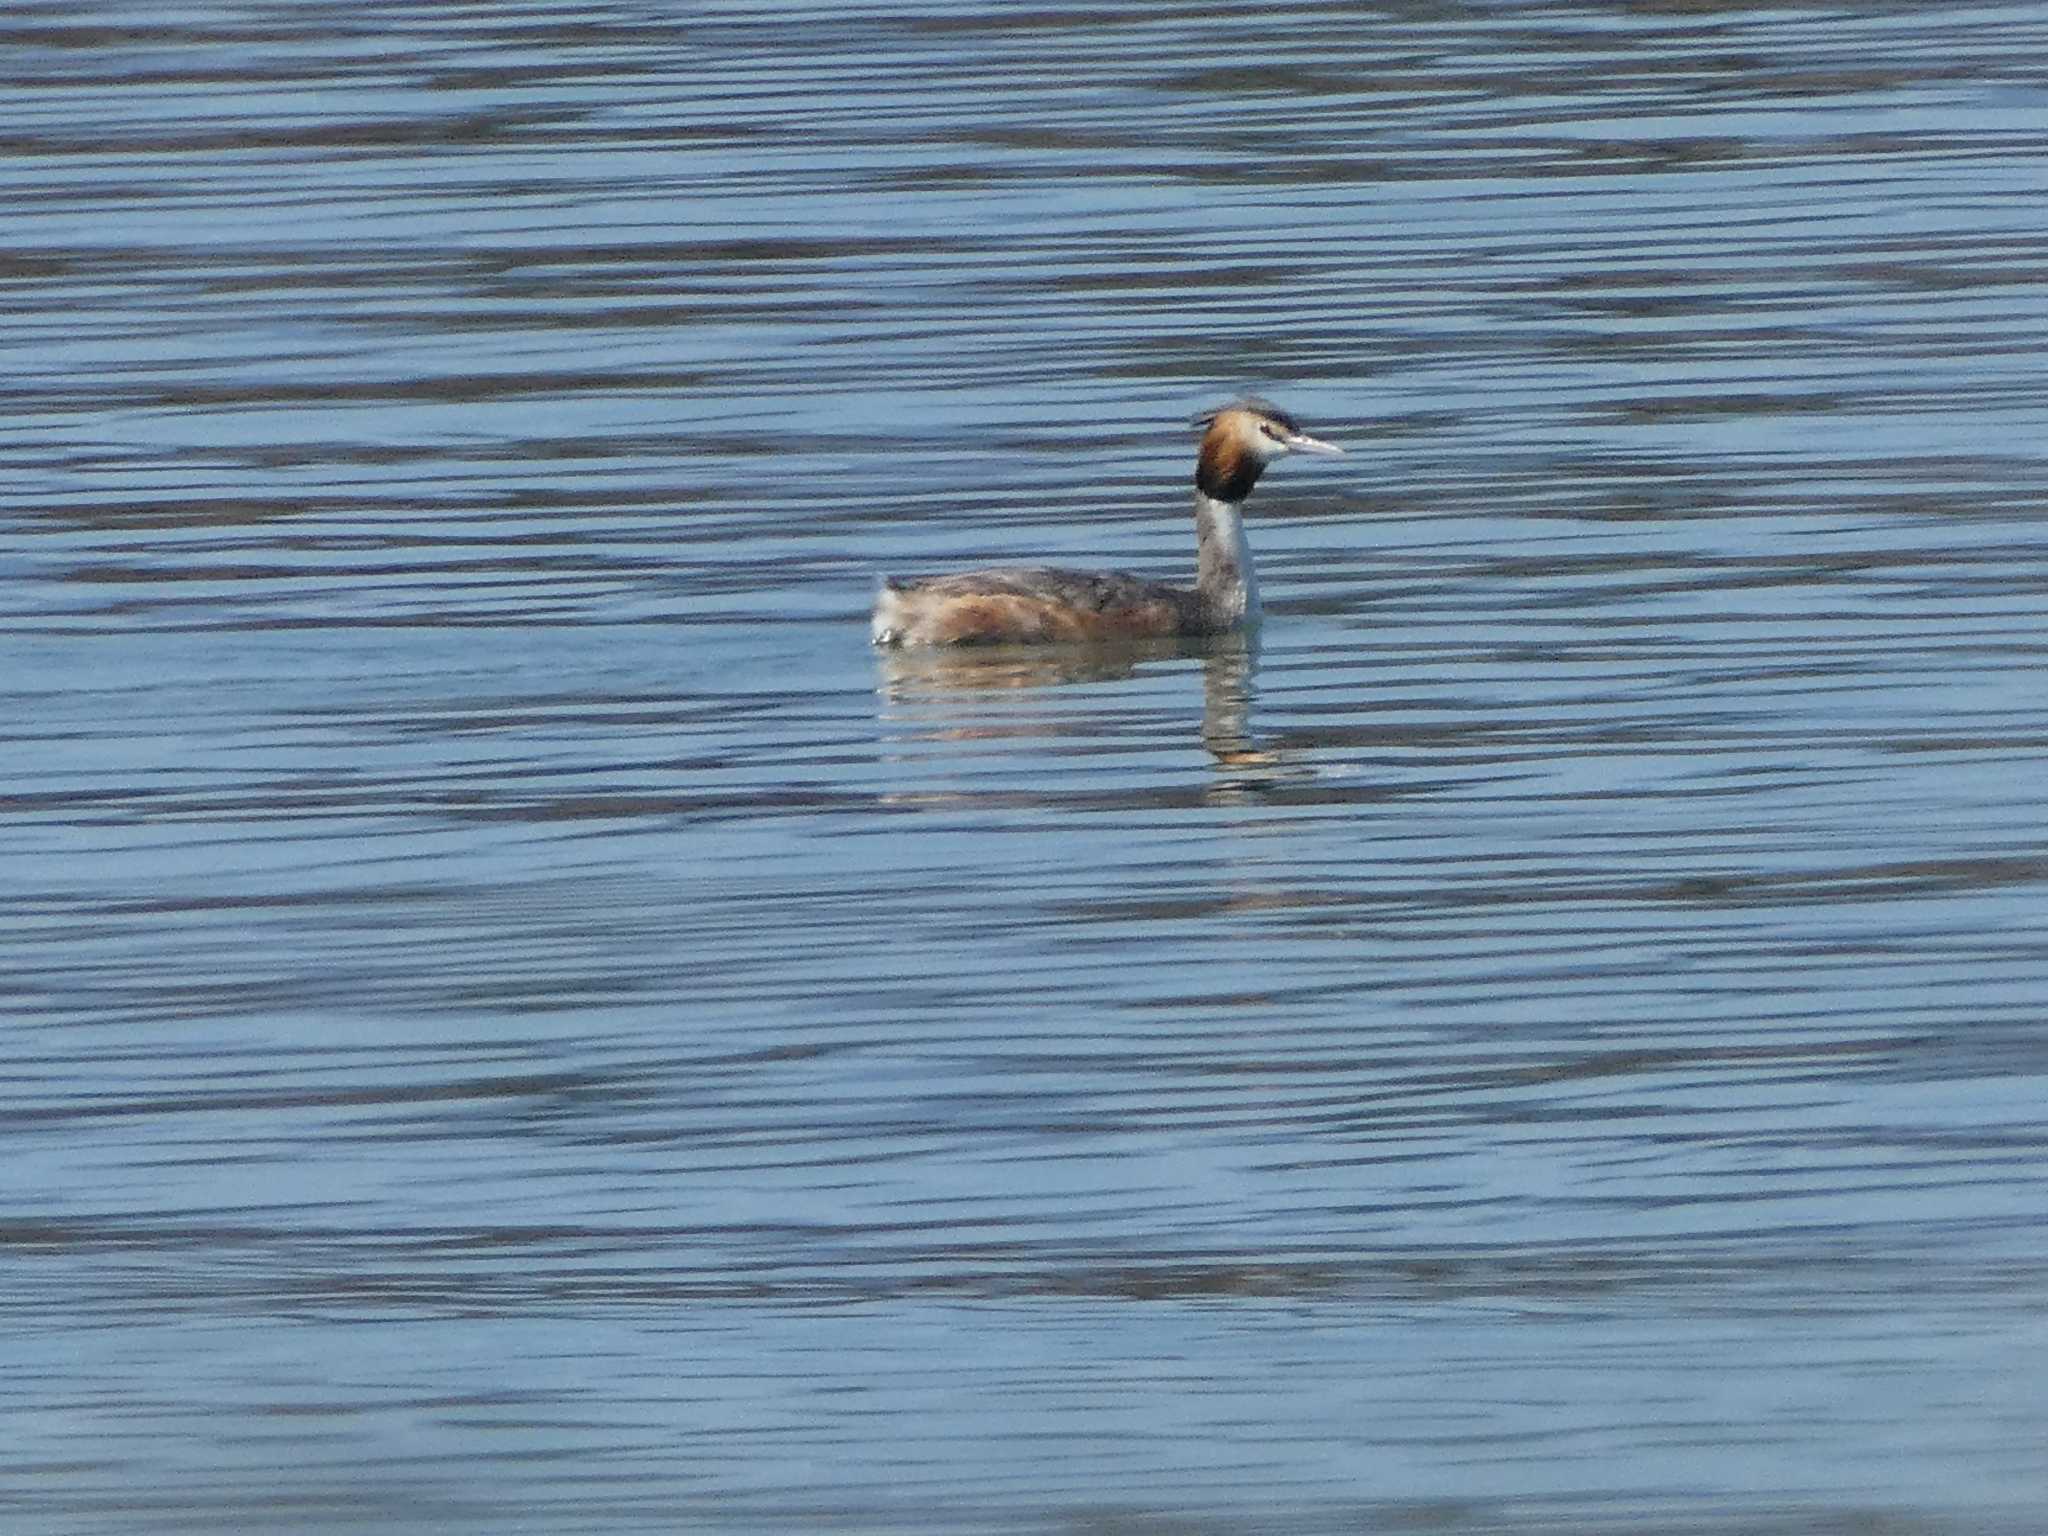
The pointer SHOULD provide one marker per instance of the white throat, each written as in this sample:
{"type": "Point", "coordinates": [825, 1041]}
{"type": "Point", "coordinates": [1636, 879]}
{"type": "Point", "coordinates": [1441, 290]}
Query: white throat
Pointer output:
{"type": "Point", "coordinates": [1223, 563]}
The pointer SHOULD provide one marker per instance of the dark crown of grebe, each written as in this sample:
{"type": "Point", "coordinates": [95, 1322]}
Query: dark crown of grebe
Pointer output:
{"type": "Point", "coordinates": [1240, 439]}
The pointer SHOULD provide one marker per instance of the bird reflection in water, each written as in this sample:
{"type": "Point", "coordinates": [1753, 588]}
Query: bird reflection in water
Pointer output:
{"type": "Point", "coordinates": [934, 689]}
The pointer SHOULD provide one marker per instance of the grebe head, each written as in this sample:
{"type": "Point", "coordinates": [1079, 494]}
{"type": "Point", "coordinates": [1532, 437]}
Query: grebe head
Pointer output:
{"type": "Point", "coordinates": [1240, 439]}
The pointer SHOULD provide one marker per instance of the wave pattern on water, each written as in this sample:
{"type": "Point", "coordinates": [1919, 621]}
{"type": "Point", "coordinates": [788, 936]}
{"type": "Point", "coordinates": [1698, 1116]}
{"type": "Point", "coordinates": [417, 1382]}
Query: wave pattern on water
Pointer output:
{"type": "Point", "coordinates": [518, 1021]}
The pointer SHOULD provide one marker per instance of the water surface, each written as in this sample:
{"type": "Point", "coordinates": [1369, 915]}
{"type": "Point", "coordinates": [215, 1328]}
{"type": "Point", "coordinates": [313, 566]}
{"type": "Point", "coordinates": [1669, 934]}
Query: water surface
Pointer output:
{"type": "Point", "coordinates": [519, 1021]}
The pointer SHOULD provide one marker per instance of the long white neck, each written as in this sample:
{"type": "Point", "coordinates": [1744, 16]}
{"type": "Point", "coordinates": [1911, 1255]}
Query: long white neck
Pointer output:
{"type": "Point", "coordinates": [1224, 577]}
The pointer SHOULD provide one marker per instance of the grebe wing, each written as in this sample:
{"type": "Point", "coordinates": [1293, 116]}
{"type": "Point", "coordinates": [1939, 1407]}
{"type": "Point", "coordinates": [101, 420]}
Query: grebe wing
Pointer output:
{"type": "Point", "coordinates": [1029, 603]}
{"type": "Point", "coordinates": [1089, 591]}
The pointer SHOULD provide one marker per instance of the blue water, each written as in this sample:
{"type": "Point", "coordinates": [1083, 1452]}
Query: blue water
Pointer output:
{"type": "Point", "coordinates": [518, 1020]}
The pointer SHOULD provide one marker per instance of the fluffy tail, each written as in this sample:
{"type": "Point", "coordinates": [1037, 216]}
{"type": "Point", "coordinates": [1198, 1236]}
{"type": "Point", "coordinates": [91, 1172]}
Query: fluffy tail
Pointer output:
{"type": "Point", "coordinates": [890, 620]}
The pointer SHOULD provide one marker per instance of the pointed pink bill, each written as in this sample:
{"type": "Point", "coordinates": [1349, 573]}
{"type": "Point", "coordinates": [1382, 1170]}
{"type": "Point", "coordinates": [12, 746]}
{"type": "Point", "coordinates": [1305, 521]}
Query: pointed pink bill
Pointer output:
{"type": "Point", "coordinates": [1301, 442]}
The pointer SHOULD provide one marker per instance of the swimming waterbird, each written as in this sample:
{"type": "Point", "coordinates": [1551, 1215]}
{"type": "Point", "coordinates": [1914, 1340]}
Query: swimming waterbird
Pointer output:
{"type": "Point", "coordinates": [1036, 604]}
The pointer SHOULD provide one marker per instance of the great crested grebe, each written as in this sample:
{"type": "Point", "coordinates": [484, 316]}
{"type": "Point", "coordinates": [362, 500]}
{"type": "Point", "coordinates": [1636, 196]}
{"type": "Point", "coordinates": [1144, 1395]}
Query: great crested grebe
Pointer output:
{"type": "Point", "coordinates": [1035, 604]}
